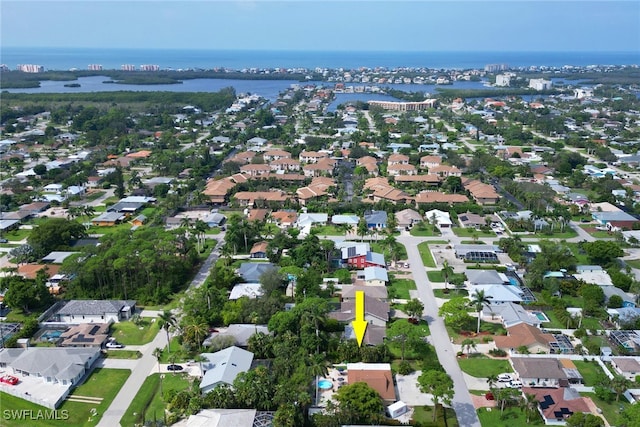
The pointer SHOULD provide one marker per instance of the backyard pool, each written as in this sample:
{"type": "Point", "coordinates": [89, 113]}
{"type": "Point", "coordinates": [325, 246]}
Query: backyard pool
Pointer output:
{"type": "Point", "coordinates": [514, 281]}
{"type": "Point", "coordinates": [541, 316]}
{"type": "Point", "coordinates": [53, 334]}
{"type": "Point", "coordinates": [325, 384]}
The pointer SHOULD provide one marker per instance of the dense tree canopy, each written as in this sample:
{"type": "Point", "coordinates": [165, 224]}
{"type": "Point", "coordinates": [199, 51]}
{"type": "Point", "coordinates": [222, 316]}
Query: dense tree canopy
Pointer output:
{"type": "Point", "coordinates": [55, 234]}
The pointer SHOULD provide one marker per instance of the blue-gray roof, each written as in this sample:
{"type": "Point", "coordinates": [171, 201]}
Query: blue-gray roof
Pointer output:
{"type": "Point", "coordinates": [375, 217]}
{"type": "Point", "coordinates": [375, 258]}
{"type": "Point", "coordinates": [251, 271]}
{"type": "Point", "coordinates": [375, 273]}
{"type": "Point", "coordinates": [224, 366]}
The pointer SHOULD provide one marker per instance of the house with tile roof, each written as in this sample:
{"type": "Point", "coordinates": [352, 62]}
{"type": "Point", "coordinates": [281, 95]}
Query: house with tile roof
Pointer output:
{"type": "Point", "coordinates": [628, 367]}
{"type": "Point", "coordinates": [407, 218]}
{"type": "Point", "coordinates": [557, 404]}
{"type": "Point", "coordinates": [425, 197]}
{"type": "Point", "coordinates": [525, 335]}
{"type": "Point", "coordinates": [428, 162]}
{"type": "Point", "coordinates": [378, 376]}
{"type": "Point", "coordinates": [255, 170]}
{"type": "Point", "coordinates": [543, 371]}
{"type": "Point", "coordinates": [401, 169]}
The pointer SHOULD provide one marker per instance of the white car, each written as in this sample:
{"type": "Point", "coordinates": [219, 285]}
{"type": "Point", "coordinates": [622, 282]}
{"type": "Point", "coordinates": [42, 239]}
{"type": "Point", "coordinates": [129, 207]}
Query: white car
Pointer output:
{"type": "Point", "coordinates": [505, 378]}
{"type": "Point", "coordinates": [515, 384]}
{"type": "Point", "coordinates": [114, 344]}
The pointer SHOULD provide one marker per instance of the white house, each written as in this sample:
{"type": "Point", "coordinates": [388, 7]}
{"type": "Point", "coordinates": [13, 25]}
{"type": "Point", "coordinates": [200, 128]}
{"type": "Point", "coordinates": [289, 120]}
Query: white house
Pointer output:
{"type": "Point", "coordinates": [94, 311]}
{"type": "Point", "coordinates": [440, 218]}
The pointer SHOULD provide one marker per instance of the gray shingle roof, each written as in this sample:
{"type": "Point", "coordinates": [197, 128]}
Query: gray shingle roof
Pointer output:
{"type": "Point", "coordinates": [224, 366]}
{"type": "Point", "coordinates": [93, 307]}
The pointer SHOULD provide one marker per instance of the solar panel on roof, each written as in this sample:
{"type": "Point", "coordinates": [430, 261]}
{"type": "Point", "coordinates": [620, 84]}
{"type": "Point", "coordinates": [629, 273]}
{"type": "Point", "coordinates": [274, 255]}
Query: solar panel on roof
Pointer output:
{"type": "Point", "coordinates": [547, 401]}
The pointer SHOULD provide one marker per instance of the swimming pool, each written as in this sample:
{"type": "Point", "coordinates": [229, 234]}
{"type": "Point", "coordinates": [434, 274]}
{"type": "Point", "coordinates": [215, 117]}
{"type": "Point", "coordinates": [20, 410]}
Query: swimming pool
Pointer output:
{"type": "Point", "coordinates": [514, 281]}
{"type": "Point", "coordinates": [51, 334]}
{"type": "Point", "coordinates": [541, 316]}
{"type": "Point", "coordinates": [325, 384]}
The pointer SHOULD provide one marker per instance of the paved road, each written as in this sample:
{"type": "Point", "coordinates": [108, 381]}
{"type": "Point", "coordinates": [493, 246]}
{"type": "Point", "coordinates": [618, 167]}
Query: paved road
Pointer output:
{"type": "Point", "coordinates": [147, 364]}
{"type": "Point", "coordinates": [461, 403]}
{"type": "Point", "coordinates": [142, 369]}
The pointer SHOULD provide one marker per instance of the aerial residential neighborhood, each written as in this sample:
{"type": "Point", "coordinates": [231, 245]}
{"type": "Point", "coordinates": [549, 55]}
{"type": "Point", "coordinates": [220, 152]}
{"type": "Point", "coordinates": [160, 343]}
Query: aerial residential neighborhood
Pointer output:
{"type": "Point", "coordinates": [204, 259]}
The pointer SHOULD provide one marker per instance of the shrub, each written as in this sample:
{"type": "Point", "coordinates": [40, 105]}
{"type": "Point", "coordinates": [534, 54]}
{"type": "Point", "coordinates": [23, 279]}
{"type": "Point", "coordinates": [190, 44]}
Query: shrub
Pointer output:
{"type": "Point", "coordinates": [405, 368]}
{"type": "Point", "coordinates": [497, 352]}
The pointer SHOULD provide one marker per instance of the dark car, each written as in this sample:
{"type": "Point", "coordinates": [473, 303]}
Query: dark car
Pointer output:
{"type": "Point", "coordinates": [174, 368]}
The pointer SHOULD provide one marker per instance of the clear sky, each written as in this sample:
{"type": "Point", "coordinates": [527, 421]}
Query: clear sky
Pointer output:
{"type": "Point", "coordinates": [383, 25]}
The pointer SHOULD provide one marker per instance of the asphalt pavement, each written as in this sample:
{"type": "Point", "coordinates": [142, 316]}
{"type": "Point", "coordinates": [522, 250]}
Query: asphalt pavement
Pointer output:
{"type": "Point", "coordinates": [461, 402]}
{"type": "Point", "coordinates": [147, 364]}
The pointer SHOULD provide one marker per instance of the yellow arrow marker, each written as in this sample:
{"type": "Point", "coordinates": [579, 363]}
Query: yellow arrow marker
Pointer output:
{"type": "Point", "coordinates": [359, 324]}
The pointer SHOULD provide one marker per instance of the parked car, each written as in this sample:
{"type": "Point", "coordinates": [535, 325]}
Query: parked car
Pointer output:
{"type": "Point", "coordinates": [114, 344]}
{"type": "Point", "coordinates": [174, 368]}
{"type": "Point", "coordinates": [505, 378]}
{"type": "Point", "coordinates": [4, 241]}
{"type": "Point", "coordinates": [515, 384]}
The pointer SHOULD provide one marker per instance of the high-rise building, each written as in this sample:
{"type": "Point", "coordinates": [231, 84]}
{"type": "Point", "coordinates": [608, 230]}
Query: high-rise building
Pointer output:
{"type": "Point", "coordinates": [149, 67]}
{"type": "Point", "coordinates": [94, 67]}
{"type": "Point", "coordinates": [30, 68]}
{"type": "Point", "coordinates": [540, 84]}
{"type": "Point", "coordinates": [128, 67]}
{"type": "Point", "coordinates": [492, 68]}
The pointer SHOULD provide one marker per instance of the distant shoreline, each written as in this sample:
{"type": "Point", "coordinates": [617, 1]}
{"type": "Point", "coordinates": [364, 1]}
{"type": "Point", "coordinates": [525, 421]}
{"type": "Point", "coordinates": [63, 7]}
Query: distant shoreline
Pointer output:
{"type": "Point", "coordinates": [175, 59]}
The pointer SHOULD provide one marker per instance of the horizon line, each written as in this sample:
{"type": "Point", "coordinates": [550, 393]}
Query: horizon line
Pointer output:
{"type": "Point", "coordinates": [323, 50]}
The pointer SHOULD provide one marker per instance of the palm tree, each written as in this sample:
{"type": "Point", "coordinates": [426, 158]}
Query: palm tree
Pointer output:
{"type": "Point", "coordinates": [492, 380]}
{"type": "Point", "coordinates": [317, 367]}
{"type": "Point", "coordinates": [468, 343]}
{"type": "Point", "coordinates": [447, 272]}
{"type": "Point", "coordinates": [195, 332]}
{"type": "Point", "coordinates": [167, 320]}
{"type": "Point", "coordinates": [619, 385]}
{"type": "Point", "coordinates": [200, 228]}
{"type": "Point", "coordinates": [478, 302]}
{"type": "Point", "coordinates": [316, 317]}
{"type": "Point", "coordinates": [529, 405]}
{"type": "Point", "coordinates": [157, 353]}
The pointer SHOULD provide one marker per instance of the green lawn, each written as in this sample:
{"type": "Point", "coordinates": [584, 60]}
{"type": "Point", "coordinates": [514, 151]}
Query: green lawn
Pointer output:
{"type": "Point", "coordinates": [482, 367]}
{"type": "Point", "coordinates": [598, 234]}
{"type": "Point", "coordinates": [401, 288]}
{"type": "Point", "coordinates": [128, 333]}
{"type": "Point", "coordinates": [123, 354]}
{"type": "Point", "coordinates": [384, 250]}
{"type": "Point", "coordinates": [435, 276]}
{"type": "Point", "coordinates": [423, 417]}
{"type": "Point", "coordinates": [427, 231]}
{"type": "Point", "coordinates": [327, 230]}
{"type": "Point", "coordinates": [591, 372]}
{"type": "Point", "coordinates": [148, 403]}
{"type": "Point", "coordinates": [425, 253]}
{"type": "Point", "coordinates": [512, 416]}
{"type": "Point", "coordinates": [453, 293]}
{"type": "Point", "coordinates": [567, 234]}
{"type": "Point", "coordinates": [633, 263]}
{"type": "Point", "coordinates": [471, 232]}
{"type": "Point", "coordinates": [16, 235]}
{"type": "Point", "coordinates": [104, 383]}
{"type": "Point", "coordinates": [94, 195]}
{"type": "Point", "coordinates": [611, 411]}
